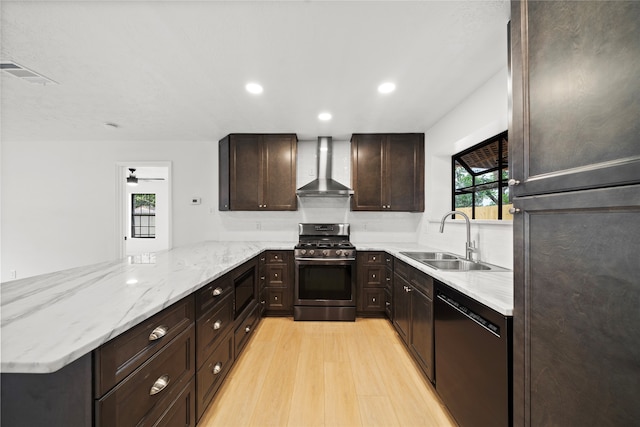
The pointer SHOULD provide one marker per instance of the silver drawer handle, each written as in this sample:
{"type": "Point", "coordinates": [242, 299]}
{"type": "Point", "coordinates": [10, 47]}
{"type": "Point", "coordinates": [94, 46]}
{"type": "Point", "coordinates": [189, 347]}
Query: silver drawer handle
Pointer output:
{"type": "Point", "coordinates": [159, 385]}
{"type": "Point", "coordinates": [514, 211]}
{"type": "Point", "coordinates": [217, 368]}
{"type": "Point", "coordinates": [247, 329]}
{"type": "Point", "coordinates": [217, 291]}
{"type": "Point", "coordinates": [217, 325]}
{"type": "Point", "coordinates": [158, 333]}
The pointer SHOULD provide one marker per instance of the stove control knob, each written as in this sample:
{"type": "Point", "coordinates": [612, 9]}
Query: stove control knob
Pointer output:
{"type": "Point", "coordinates": [325, 252]}
{"type": "Point", "coordinates": [338, 252]}
{"type": "Point", "coordinates": [303, 251]}
{"type": "Point", "coordinates": [346, 253]}
{"type": "Point", "coordinates": [311, 251]}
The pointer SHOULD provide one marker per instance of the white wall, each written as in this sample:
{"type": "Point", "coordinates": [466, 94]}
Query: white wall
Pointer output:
{"type": "Point", "coordinates": [58, 198]}
{"type": "Point", "coordinates": [59, 206]}
{"type": "Point", "coordinates": [482, 115]}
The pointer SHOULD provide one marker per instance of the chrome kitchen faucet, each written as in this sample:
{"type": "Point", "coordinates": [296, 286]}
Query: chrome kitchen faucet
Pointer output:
{"type": "Point", "coordinates": [470, 247]}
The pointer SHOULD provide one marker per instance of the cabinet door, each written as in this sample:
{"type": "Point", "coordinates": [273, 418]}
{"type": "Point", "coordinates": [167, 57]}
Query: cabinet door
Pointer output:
{"type": "Point", "coordinates": [404, 172]}
{"type": "Point", "coordinates": [576, 346]}
{"type": "Point", "coordinates": [401, 307]}
{"type": "Point", "coordinates": [366, 172]}
{"type": "Point", "coordinates": [279, 172]}
{"type": "Point", "coordinates": [575, 70]}
{"type": "Point", "coordinates": [422, 331]}
{"type": "Point", "coordinates": [245, 172]}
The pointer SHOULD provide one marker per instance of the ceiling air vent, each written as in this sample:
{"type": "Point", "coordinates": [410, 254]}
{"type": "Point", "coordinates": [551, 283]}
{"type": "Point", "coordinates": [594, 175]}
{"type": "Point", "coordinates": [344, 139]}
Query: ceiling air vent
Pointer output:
{"type": "Point", "coordinates": [24, 73]}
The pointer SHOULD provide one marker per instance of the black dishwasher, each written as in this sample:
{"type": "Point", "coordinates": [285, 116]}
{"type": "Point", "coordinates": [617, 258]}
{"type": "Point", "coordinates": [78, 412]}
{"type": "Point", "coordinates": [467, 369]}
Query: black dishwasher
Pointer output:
{"type": "Point", "coordinates": [473, 359]}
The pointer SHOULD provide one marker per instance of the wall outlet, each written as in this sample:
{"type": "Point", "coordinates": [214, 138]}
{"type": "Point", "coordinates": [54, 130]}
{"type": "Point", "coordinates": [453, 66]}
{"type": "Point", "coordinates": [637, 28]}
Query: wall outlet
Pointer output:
{"type": "Point", "coordinates": [13, 274]}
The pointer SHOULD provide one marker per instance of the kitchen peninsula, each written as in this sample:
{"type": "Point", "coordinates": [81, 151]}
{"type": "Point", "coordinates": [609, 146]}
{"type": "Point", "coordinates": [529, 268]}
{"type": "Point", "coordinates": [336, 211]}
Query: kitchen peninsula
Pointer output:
{"type": "Point", "coordinates": [58, 319]}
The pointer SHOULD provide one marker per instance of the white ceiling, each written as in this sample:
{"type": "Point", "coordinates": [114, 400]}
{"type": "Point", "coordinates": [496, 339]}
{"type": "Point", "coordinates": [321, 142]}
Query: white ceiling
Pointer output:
{"type": "Point", "coordinates": [176, 70]}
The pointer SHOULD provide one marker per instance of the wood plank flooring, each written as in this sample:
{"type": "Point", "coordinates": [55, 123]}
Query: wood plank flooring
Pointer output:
{"type": "Point", "coordinates": [326, 374]}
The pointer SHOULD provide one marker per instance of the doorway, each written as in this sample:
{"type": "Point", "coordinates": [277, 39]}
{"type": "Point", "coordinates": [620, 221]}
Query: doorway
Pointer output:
{"type": "Point", "coordinates": [143, 216]}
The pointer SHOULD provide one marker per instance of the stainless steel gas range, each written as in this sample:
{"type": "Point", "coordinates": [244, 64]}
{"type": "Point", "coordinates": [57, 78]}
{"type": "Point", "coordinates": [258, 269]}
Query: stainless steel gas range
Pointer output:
{"type": "Point", "coordinates": [325, 277]}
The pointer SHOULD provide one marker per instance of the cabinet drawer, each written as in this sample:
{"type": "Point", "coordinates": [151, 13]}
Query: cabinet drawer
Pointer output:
{"type": "Point", "coordinates": [421, 281]}
{"type": "Point", "coordinates": [119, 357]}
{"type": "Point", "coordinates": [376, 258]}
{"type": "Point", "coordinates": [277, 275]}
{"type": "Point", "coordinates": [213, 293]}
{"type": "Point", "coordinates": [373, 299]}
{"type": "Point", "coordinates": [130, 403]}
{"type": "Point", "coordinates": [388, 303]}
{"type": "Point", "coordinates": [182, 411]}
{"type": "Point", "coordinates": [401, 269]}
{"type": "Point", "coordinates": [388, 260]}
{"type": "Point", "coordinates": [276, 299]}
{"type": "Point", "coordinates": [277, 257]}
{"type": "Point", "coordinates": [244, 330]}
{"type": "Point", "coordinates": [375, 276]}
{"type": "Point", "coordinates": [211, 327]}
{"type": "Point", "coordinates": [214, 370]}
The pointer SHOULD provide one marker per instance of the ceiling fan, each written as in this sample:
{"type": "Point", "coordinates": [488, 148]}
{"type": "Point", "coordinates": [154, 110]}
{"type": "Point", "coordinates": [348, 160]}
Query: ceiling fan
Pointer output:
{"type": "Point", "coordinates": [132, 179]}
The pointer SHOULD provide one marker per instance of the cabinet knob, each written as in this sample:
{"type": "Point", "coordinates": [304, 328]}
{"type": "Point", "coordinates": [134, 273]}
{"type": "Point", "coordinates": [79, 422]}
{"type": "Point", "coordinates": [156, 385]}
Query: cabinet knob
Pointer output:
{"type": "Point", "coordinates": [159, 385]}
{"type": "Point", "coordinates": [247, 329]}
{"type": "Point", "coordinates": [514, 210]}
{"type": "Point", "coordinates": [275, 275]}
{"type": "Point", "coordinates": [217, 325]}
{"type": "Point", "coordinates": [217, 291]}
{"type": "Point", "coordinates": [276, 257]}
{"type": "Point", "coordinates": [275, 298]}
{"type": "Point", "coordinates": [512, 182]}
{"type": "Point", "coordinates": [217, 368]}
{"type": "Point", "coordinates": [373, 300]}
{"type": "Point", "coordinates": [387, 303]}
{"type": "Point", "coordinates": [373, 275]}
{"type": "Point", "coordinates": [158, 333]}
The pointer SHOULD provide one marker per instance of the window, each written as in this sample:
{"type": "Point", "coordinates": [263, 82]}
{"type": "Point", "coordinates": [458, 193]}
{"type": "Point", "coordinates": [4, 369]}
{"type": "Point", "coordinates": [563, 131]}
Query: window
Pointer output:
{"type": "Point", "coordinates": [480, 176]}
{"type": "Point", "coordinates": [143, 216]}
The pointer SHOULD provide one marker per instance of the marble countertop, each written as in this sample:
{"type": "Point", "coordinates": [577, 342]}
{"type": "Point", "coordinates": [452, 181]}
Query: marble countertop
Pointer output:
{"type": "Point", "coordinates": [493, 289]}
{"type": "Point", "coordinates": [50, 320]}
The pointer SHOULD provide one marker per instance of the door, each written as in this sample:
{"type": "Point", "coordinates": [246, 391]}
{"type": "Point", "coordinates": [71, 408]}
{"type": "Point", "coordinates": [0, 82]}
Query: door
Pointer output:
{"type": "Point", "coordinates": [245, 171]}
{"type": "Point", "coordinates": [576, 317]}
{"type": "Point", "coordinates": [404, 172]}
{"type": "Point", "coordinates": [401, 307]}
{"type": "Point", "coordinates": [279, 172]}
{"type": "Point", "coordinates": [576, 95]}
{"type": "Point", "coordinates": [366, 170]}
{"type": "Point", "coordinates": [143, 231]}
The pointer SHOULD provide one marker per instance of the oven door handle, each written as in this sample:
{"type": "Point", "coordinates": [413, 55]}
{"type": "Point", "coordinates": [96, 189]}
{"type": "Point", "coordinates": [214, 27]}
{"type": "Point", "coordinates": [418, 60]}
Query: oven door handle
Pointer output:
{"type": "Point", "coordinates": [323, 260]}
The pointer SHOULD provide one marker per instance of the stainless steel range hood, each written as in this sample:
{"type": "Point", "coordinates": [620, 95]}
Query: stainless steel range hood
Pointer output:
{"type": "Point", "coordinates": [324, 185]}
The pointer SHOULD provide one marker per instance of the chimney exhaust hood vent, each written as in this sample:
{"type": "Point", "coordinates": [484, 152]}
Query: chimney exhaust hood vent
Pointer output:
{"type": "Point", "coordinates": [324, 185]}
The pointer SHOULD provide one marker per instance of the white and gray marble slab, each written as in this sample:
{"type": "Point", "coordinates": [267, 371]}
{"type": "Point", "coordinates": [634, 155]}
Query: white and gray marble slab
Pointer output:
{"type": "Point", "coordinates": [50, 320]}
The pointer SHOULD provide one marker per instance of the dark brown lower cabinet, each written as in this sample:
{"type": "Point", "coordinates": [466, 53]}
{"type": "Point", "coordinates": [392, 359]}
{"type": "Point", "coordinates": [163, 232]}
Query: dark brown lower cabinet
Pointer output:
{"type": "Point", "coordinates": [213, 372]}
{"type": "Point", "coordinates": [413, 314]}
{"type": "Point", "coordinates": [156, 384]}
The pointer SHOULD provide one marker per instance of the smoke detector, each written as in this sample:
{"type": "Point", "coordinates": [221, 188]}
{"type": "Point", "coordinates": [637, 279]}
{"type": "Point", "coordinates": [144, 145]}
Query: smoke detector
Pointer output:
{"type": "Point", "coordinates": [24, 73]}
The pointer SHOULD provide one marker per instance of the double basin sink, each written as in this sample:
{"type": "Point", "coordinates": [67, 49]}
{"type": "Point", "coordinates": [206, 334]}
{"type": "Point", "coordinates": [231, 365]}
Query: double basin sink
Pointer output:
{"type": "Point", "coordinates": [450, 262]}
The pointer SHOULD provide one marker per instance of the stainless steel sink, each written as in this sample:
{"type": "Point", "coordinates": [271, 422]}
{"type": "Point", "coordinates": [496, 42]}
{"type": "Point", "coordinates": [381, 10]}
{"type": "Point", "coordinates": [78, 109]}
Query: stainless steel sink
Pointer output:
{"type": "Point", "coordinates": [422, 256]}
{"type": "Point", "coordinates": [446, 261]}
{"type": "Point", "coordinates": [456, 265]}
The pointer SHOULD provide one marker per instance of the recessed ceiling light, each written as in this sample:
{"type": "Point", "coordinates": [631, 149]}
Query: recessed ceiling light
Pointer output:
{"type": "Point", "coordinates": [254, 88]}
{"type": "Point", "coordinates": [386, 87]}
{"type": "Point", "coordinates": [324, 116]}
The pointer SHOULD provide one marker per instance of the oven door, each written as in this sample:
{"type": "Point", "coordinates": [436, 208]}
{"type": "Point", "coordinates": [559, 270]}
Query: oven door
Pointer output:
{"type": "Point", "coordinates": [325, 282]}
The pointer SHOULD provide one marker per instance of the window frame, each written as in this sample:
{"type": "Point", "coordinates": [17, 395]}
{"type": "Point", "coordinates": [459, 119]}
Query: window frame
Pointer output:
{"type": "Point", "coordinates": [134, 235]}
{"type": "Point", "coordinates": [501, 182]}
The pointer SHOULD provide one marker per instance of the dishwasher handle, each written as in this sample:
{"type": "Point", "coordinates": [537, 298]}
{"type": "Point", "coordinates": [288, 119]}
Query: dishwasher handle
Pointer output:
{"type": "Point", "coordinates": [470, 314]}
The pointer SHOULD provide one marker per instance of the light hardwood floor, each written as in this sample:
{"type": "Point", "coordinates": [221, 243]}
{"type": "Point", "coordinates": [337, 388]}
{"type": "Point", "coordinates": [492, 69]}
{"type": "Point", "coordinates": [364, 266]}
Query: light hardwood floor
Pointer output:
{"type": "Point", "coordinates": [325, 374]}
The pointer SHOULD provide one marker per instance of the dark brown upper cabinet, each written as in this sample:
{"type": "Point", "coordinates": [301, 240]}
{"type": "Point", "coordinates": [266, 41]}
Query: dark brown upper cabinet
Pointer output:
{"type": "Point", "coordinates": [258, 172]}
{"type": "Point", "coordinates": [387, 172]}
{"type": "Point", "coordinates": [576, 97]}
